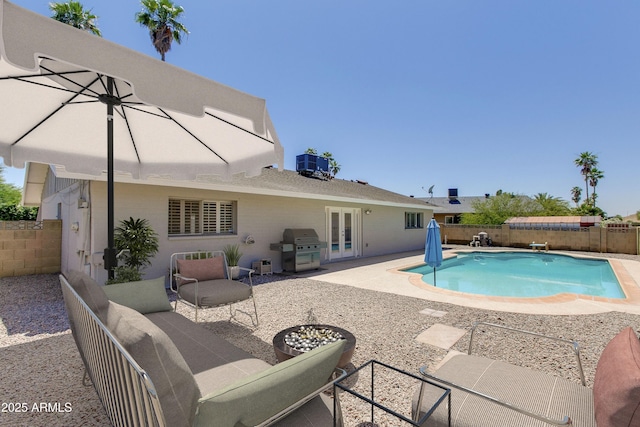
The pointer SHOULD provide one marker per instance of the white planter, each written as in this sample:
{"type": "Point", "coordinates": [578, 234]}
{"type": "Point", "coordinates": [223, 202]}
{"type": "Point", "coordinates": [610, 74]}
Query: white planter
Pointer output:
{"type": "Point", "coordinates": [234, 272]}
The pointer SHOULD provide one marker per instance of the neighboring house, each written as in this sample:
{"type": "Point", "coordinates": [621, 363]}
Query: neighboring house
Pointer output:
{"type": "Point", "coordinates": [452, 207]}
{"type": "Point", "coordinates": [354, 218]}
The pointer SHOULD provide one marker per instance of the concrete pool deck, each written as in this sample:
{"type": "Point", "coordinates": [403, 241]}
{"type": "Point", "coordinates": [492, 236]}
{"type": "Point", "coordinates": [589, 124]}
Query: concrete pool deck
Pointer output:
{"type": "Point", "coordinates": [384, 274]}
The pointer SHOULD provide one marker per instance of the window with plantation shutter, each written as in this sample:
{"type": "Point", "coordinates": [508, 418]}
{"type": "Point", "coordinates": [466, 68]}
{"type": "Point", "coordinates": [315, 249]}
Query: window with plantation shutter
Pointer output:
{"type": "Point", "coordinates": [201, 217]}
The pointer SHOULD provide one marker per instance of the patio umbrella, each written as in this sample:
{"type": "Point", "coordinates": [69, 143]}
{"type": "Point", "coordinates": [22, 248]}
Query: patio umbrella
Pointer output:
{"type": "Point", "coordinates": [89, 106]}
{"type": "Point", "coordinates": [433, 247]}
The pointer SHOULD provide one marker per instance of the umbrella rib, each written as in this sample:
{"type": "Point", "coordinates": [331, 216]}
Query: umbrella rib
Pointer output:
{"type": "Point", "coordinates": [239, 127]}
{"type": "Point", "coordinates": [123, 114]}
{"type": "Point", "coordinates": [50, 73]}
{"type": "Point", "coordinates": [23, 80]}
{"type": "Point", "coordinates": [49, 115]}
{"type": "Point", "coordinates": [83, 88]}
{"type": "Point", "coordinates": [144, 111]}
{"type": "Point", "coordinates": [194, 137]}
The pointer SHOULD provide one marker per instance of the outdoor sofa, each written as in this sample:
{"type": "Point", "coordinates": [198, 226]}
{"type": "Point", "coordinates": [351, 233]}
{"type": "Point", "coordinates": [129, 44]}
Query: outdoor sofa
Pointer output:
{"type": "Point", "coordinates": [487, 392]}
{"type": "Point", "coordinates": [152, 366]}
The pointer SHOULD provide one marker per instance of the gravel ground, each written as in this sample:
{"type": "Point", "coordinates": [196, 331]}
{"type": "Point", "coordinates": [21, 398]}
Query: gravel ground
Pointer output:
{"type": "Point", "coordinates": [42, 366]}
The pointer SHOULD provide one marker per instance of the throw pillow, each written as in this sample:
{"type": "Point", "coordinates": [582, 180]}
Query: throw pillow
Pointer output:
{"type": "Point", "coordinates": [90, 292]}
{"type": "Point", "coordinates": [201, 269]}
{"type": "Point", "coordinates": [144, 296]}
{"type": "Point", "coordinates": [258, 397]}
{"type": "Point", "coordinates": [616, 386]}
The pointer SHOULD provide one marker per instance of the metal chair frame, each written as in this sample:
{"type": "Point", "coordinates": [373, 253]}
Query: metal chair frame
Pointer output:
{"type": "Point", "coordinates": [175, 275]}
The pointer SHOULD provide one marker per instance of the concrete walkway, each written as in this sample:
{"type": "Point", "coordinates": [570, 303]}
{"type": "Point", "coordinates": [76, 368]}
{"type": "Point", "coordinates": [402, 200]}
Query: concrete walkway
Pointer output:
{"type": "Point", "coordinates": [382, 274]}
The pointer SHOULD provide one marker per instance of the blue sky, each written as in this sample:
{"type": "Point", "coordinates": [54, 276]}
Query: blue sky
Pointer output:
{"type": "Point", "coordinates": [474, 95]}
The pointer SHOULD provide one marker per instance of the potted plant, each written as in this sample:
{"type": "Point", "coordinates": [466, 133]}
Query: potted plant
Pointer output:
{"type": "Point", "coordinates": [137, 242]}
{"type": "Point", "coordinates": [233, 255]}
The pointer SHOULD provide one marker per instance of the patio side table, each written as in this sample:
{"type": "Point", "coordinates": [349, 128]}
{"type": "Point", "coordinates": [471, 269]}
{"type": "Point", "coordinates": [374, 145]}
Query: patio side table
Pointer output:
{"type": "Point", "coordinates": [370, 392]}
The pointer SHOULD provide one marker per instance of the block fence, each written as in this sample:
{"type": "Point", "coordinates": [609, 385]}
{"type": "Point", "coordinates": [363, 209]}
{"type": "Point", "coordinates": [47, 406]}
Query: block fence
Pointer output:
{"type": "Point", "coordinates": [30, 247]}
{"type": "Point", "coordinates": [589, 239]}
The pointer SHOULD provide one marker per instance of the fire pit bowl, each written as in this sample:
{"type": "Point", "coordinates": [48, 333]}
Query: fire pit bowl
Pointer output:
{"type": "Point", "coordinates": [299, 339]}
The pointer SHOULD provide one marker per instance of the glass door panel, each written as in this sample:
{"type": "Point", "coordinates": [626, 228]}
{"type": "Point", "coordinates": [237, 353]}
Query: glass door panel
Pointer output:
{"type": "Point", "coordinates": [335, 232]}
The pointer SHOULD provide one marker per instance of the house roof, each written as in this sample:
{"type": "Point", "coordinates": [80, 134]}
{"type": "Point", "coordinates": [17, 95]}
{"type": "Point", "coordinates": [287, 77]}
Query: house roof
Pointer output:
{"type": "Point", "coordinates": [463, 204]}
{"type": "Point", "coordinates": [272, 182]}
{"type": "Point", "coordinates": [291, 184]}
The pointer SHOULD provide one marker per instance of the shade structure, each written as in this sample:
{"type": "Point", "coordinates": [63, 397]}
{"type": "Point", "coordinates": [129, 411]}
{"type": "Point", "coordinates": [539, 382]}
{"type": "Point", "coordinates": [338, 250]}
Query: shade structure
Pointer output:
{"type": "Point", "coordinates": [433, 247]}
{"type": "Point", "coordinates": [80, 102]}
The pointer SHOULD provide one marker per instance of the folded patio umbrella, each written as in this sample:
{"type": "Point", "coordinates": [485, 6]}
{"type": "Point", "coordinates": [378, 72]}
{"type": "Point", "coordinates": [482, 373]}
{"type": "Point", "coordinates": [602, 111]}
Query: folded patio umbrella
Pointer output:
{"type": "Point", "coordinates": [77, 101]}
{"type": "Point", "coordinates": [433, 247]}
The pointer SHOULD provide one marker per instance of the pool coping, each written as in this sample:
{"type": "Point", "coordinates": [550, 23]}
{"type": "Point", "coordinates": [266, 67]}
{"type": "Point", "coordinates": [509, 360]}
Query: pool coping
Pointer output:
{"type": "Point", "coordinates": [629, 286]}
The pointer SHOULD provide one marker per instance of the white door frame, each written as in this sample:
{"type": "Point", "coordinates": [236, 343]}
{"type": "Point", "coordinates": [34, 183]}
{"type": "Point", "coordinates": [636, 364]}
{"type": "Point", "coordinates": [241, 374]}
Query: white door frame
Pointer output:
{"type": "Point", "coordinates": [337, 236]}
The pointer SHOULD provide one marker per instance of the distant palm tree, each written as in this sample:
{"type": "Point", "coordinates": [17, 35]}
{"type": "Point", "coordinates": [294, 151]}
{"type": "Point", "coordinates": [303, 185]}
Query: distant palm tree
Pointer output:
{"type": "Point", "coordinates": [74, 14]}
{"type": "Point", "coordinates": [595, 175]}
{"type": "Point", "coordinates": [334, 167]}
{"type": "Point", "coordinates": [161, 18]}
{"type": "Point", "coordinates": [586, 162]}
{"type": "Point", "coordinates": [576, 195]}
{"type": "Point", "coordinates": [551, 206]}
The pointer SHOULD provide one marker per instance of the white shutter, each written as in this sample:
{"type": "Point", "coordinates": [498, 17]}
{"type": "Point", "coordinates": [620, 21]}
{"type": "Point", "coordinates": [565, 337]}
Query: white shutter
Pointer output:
{"type": "Point", "coordinates": [209, 220]}
{"type": "Point", "coordinates": [226, 217]}
{"type": "Point", "coordinates": [174, 217]}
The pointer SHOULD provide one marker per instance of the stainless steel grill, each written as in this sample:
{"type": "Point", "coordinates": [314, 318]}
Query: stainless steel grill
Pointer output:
{"type": "Point", "coordinates": [300, 249]}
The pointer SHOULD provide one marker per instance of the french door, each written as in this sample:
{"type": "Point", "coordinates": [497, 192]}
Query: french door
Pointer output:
{"type": "Point", "coordinates": [343, 228]}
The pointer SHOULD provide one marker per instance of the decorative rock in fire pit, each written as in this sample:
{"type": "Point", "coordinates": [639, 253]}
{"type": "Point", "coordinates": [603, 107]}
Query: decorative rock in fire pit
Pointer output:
{"type": "Point", "coordinates": [309, 337]}
{"type": "Point", "coordinates": [296, 340]}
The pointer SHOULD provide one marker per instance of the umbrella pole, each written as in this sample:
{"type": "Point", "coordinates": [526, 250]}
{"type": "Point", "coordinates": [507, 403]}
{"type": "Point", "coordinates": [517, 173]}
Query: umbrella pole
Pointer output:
{"type": "Point", "coordinates": [110, 260]}
{"type": "Point", "coordinates": [434, 276]}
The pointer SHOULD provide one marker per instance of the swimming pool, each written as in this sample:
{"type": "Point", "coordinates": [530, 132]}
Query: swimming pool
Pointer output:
{"type": "Point", "coordinates": [523, 274]}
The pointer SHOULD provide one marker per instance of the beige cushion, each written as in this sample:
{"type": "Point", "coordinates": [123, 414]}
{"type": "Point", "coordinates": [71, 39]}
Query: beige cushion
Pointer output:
{"type": "Point", "coordinates": [202, 269]}
{"type": "Point", "coordinates": [90, 292]}
{"type": "Point", "coordinates": [145, 296]}
{"type": "Point", "coordinates": [215, 362]}
{"type": "Point", "coordinates": [158, 356]}
{"type": "Point", "coordinates": [616, 386]}
{"type": "Point", "coordinates": [257, 397]}
{"type": "Point", "coordinates": [532, 390]}
{"type": "Point", "coordinates": [212, 293]}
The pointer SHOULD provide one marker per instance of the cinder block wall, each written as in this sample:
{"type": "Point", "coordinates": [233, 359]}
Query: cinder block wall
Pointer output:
{"type": "Point", "coordinates": [590, 239]}
{"type": "Point", "coordinates": [30, 247]}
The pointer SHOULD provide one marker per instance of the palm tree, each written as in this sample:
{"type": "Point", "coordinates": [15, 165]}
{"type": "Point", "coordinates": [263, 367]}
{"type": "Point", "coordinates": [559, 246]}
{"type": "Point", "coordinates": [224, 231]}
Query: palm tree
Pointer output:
{"type": "Point", "coordinates": [161, 18]}
{"type": "Point", "coordinates": [576, 195]}
{"type": "Point", "coordinates": [586, 162]}
{"type": "Point", "coordinates": [551, 206]}
{"type": "Point", "coordinates": [595, 175]}
{"type": "Point", "coordinates": [334, 167]}
{"type": "Point", "coordinates": [74, 14]}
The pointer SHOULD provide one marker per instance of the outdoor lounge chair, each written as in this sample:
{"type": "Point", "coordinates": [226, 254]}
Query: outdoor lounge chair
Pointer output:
{"type": "Point", "coordinates": [201, 279]}
{"type": "Point", "coordinates": [488, 392]}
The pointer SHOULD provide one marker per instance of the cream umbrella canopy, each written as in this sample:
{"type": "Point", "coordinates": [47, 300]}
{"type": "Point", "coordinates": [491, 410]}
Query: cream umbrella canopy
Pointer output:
{"type": "Point", "coordinates": [72, 99]}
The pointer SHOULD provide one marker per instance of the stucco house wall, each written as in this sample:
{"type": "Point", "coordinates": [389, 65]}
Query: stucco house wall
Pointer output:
{"type": "Point", "coordinates": [264, 217]}
{"type": "Point", "coordinates": [63, 205]}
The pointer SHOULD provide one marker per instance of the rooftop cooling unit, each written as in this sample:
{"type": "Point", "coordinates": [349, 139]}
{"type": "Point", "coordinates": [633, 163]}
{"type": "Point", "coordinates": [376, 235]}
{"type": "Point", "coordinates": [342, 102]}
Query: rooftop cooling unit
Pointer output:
{"type": "Point", "coordinates": [453, 196]}
{"type": "Point", "coordinates": [312, 165]}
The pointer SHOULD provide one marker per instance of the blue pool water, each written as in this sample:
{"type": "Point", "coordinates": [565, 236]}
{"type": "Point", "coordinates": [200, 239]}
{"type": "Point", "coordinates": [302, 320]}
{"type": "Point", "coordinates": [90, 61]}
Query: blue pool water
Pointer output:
{"type": "Point", "coordinates": [523, 274]}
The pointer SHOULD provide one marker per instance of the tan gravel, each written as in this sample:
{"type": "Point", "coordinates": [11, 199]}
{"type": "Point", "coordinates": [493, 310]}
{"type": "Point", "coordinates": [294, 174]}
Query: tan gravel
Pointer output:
{"type": "Point", "coordinates": [41, 364]}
